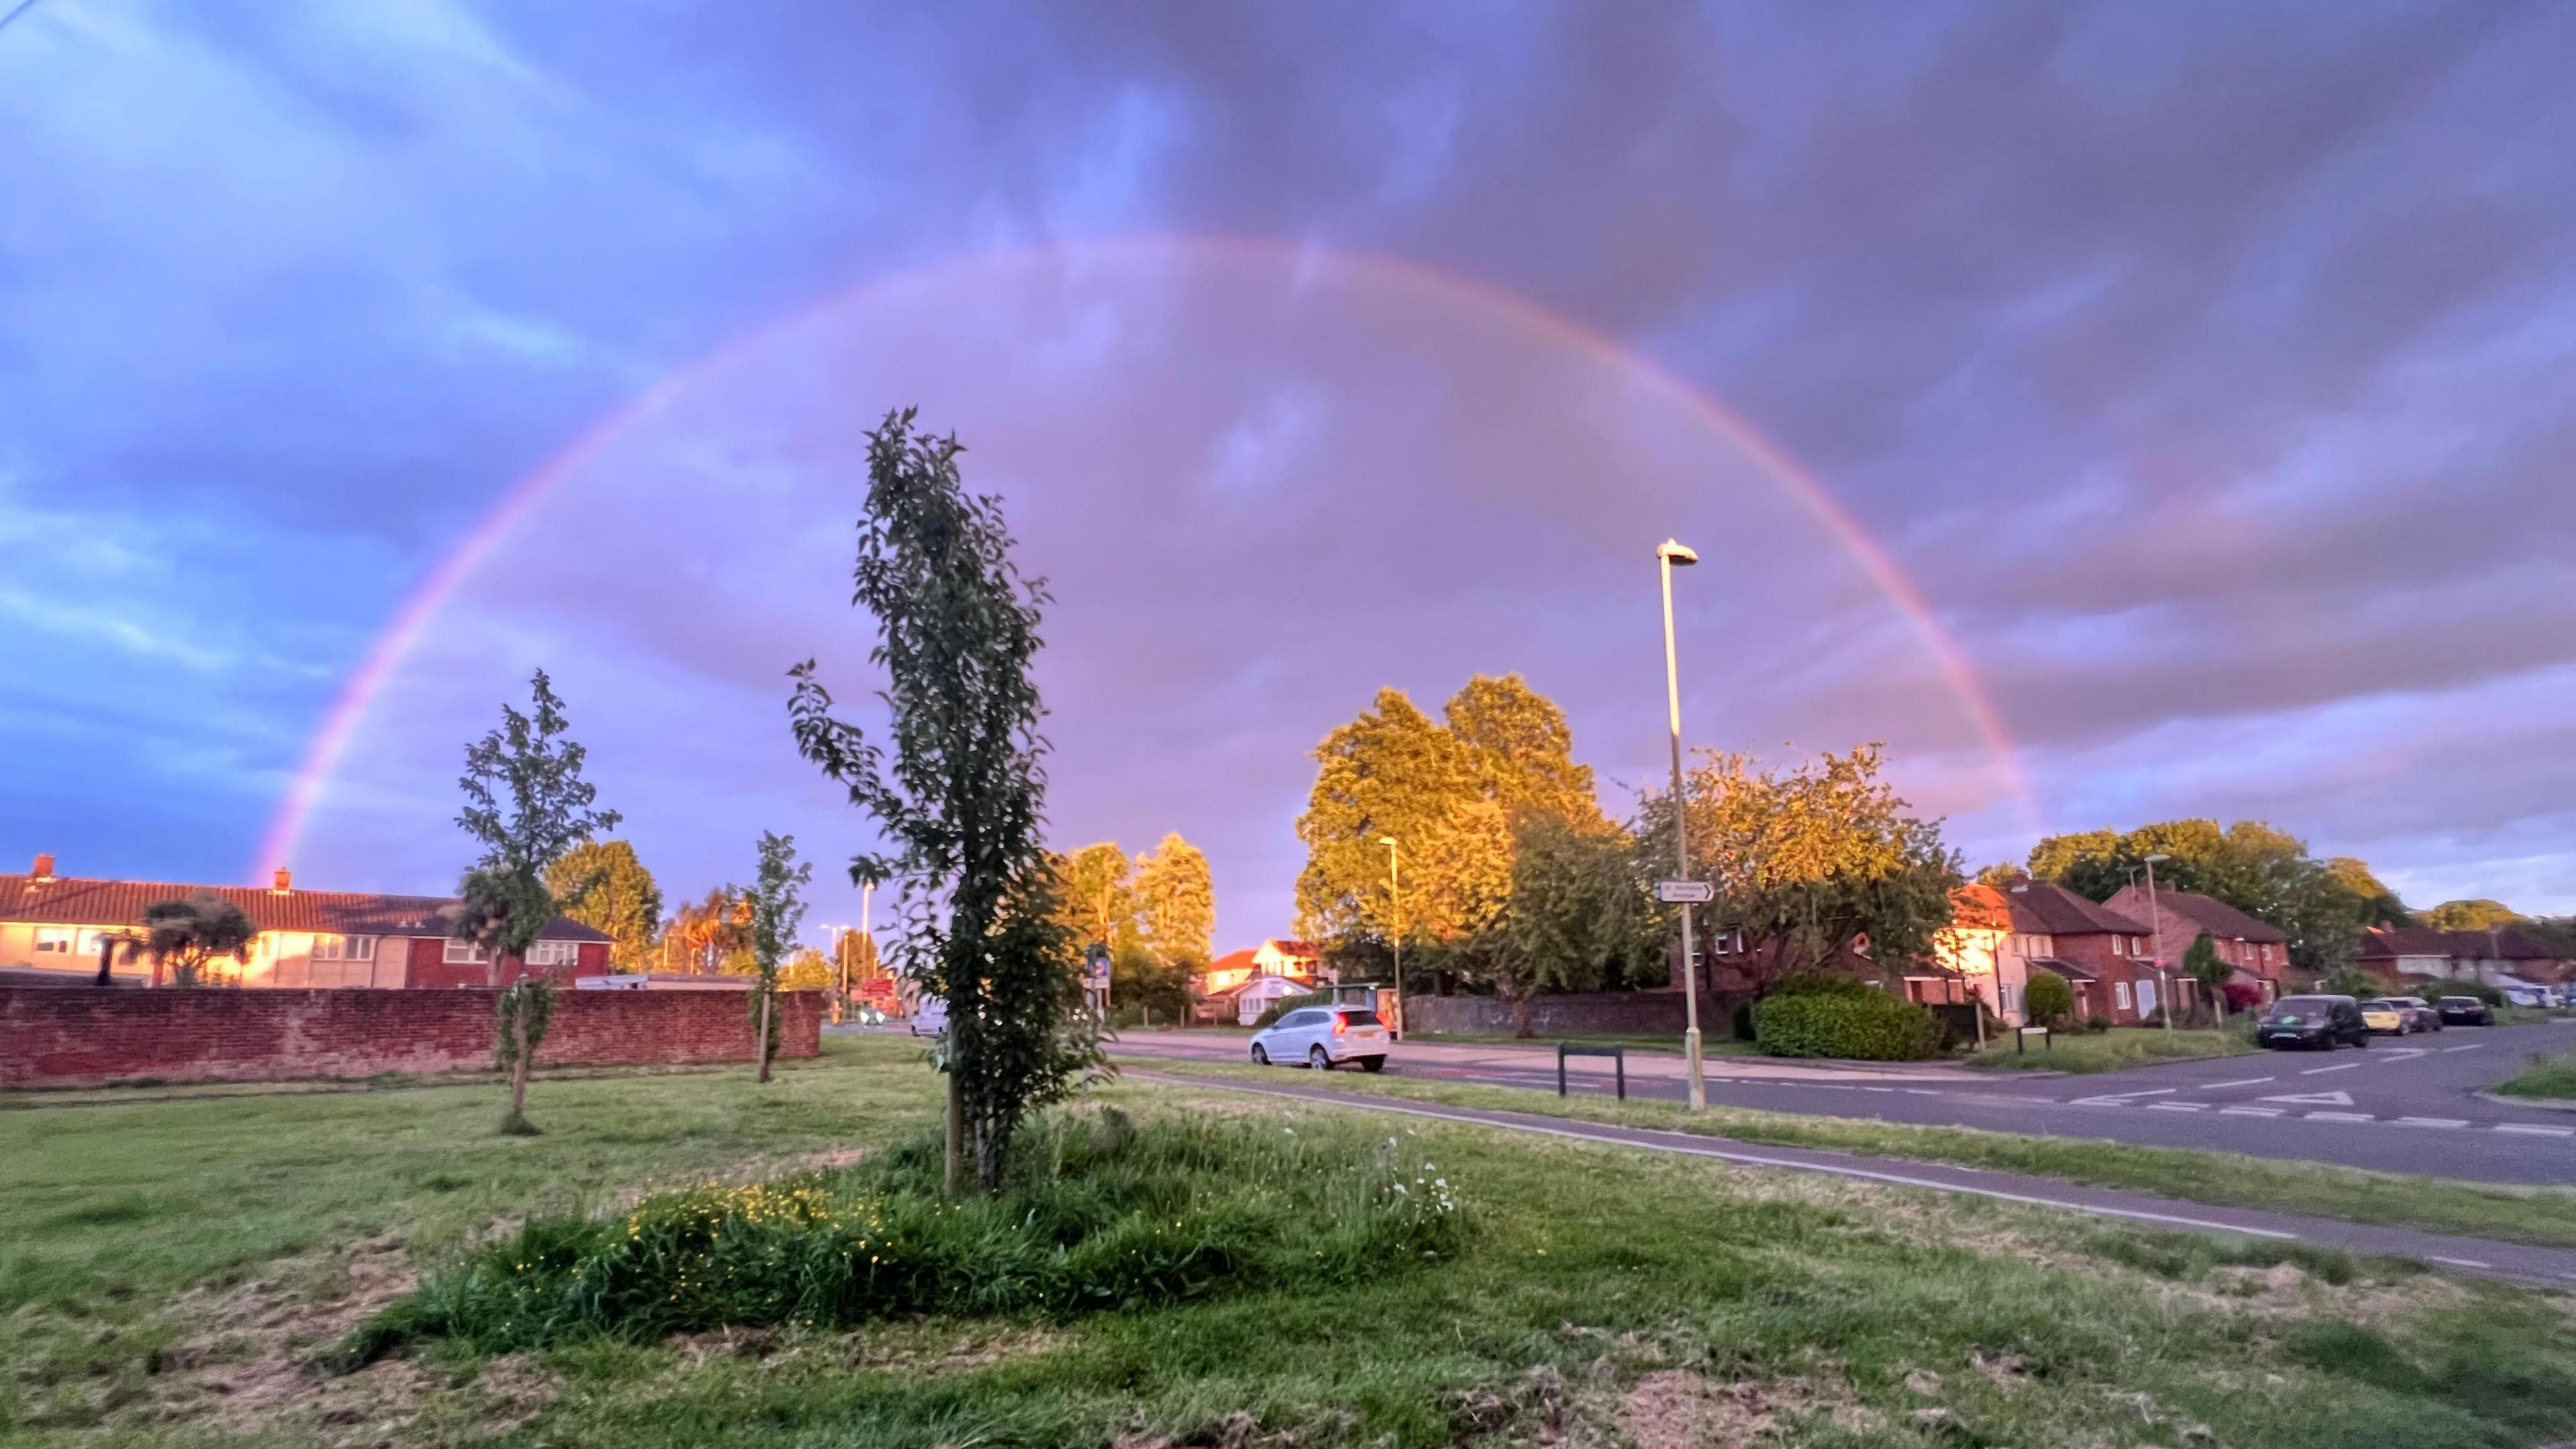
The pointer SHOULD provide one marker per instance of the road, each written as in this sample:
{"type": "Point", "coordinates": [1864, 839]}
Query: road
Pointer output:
{"type": "Point", "coordinates": [2398, 1106]}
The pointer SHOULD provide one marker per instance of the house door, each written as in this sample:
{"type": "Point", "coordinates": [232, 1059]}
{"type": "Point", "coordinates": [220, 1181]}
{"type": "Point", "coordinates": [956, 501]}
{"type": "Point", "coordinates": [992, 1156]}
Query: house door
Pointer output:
{"type": "Point", "coordinates": [2146, 997]}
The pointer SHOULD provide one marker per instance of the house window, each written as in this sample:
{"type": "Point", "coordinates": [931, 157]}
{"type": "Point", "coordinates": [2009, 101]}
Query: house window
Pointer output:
{"type": "Point", "coordinates": [53, 940]}
{"type": "Point", "coordinates": [554, 953]}
{"type": "Point", "coordinates": [2115, 945]}
{"type": "Point", "coordinates": [2120, 990]}
{"type": "Point", "coordinates": [344, 948]}
{"type": "Point", "coordinates": [463, 953]}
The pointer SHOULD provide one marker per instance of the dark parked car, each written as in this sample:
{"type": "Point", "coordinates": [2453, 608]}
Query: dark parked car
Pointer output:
{"type": "Point", "coordinates": [2323, 1022]}
{"type": "Point", "coordinates": [2465, 1011]}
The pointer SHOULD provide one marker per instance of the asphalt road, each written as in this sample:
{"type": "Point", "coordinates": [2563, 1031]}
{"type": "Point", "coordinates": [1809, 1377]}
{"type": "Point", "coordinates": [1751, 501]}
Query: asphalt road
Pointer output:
{"type": "Point", "coordinates": [2405, 1105]}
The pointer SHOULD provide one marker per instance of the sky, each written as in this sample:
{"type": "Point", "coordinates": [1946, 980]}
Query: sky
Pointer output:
{"type": "Point", "coordinates": [2121, 412]}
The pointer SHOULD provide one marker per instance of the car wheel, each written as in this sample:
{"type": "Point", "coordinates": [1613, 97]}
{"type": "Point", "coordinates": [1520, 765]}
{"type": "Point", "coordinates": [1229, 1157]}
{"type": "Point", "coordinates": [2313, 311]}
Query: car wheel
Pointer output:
{"type": "Point", "coordinates": [1317, 1060]}
{"type": "Point", "coordinates": [1260, 1058]}
{"type": "Point", "coordinates": [2364, 1041]}
{"type": "Point", "coordinates": [1372, 1064]}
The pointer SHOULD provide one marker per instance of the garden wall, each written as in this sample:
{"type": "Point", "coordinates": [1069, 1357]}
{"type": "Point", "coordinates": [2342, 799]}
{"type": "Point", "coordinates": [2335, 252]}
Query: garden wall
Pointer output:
{"type": "Point", "coordinates": [65, 1037]}
{"type": "Point", "coordinates": [1599, 1013]}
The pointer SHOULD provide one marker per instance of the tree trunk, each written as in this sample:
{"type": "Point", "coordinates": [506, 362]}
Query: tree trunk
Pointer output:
{"type": "Point", "coordinates": [956, 1162]}
{"type": "Point", "coordinates": [1521, 1005]}
{"type": "Point", "coordinates": [762, 1047]}
{"type": "Point", "coordinates": [517, 1122]}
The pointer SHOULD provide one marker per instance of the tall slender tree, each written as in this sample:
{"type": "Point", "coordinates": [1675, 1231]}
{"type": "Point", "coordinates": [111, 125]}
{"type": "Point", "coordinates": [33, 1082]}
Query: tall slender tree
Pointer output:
{"type": "Point", "coordinates": [1176, 901]}
{"type": "Point", "coordinates": [961, 794]}
{"type": "Point", "coordinates": [776, 906]}
{"type": "Point", "coordinates": [527, 805]}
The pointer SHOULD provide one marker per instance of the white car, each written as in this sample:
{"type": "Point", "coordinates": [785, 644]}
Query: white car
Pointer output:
{"type": "Point", "coordinates": [1322, 1037]}
{"type": "Point", "coordinates": [930, 1018]}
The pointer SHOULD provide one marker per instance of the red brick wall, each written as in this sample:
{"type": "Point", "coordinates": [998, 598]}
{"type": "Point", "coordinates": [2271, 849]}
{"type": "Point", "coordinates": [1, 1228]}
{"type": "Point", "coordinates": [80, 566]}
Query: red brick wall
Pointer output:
{"type": "Point", "coordinates": [2092, 951]}
{"type": "Point", "coordinates": [66, 1037]}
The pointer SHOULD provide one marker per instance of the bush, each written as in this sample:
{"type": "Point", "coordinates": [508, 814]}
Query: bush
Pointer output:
{"type": "Point", "coordinates": [1270, 1015]}
{"type": "Point", "coordinates": [1096, 1213]}
{"type": "Point", "coordinates": [1870, 1026]}
{"type": "Point", "coordinates": [2098, 1025]}
{"type": "Point", "coordinates": [1822, 983]}
{"type": "Point", "coordinates": [2048, 999]}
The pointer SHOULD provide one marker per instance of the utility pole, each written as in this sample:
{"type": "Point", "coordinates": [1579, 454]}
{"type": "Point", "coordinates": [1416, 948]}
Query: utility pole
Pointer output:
{"type": "Point", "coordinates": [1670, 554]}
{"type": "Point", "coordinates": [1395, 930]}
{"type": "Point", "coordinates": [2156, 922]}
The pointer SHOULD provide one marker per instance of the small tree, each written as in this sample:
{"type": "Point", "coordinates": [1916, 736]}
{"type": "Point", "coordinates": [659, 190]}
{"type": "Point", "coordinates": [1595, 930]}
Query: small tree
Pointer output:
{"type": "Point", "coordinates": [777, 908]}
{"type": "Point", "coordinates": [1577, 918]}
{"type": "Point", "coordinates": [2048, 1000]}
{"type": "Point", "coordinates": [526, 803]}
{"type": "Point", "coordinates": [963, 795]}
{"type": "Point", "coordinates": [186, 936]}
{"type": "Point", "coordinates": [2201, 964]}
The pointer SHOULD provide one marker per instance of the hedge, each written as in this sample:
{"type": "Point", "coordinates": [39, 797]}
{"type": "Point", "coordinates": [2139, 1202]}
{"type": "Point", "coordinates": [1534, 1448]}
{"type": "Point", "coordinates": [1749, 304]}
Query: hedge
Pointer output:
{"type": "Point", "coordinates": [1868, 1026]}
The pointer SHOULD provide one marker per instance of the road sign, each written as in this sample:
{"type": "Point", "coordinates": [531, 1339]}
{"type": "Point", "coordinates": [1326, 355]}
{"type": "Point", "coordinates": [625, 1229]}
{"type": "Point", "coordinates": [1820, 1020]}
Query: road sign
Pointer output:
{"type": "Point", "coordinates": [1694, 892]}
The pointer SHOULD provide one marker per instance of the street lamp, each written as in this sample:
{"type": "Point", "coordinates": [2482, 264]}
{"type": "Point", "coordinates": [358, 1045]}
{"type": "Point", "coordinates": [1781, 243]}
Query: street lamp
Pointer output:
{"type": "Point", "coordinates": [1395, 930]}
{"type": "Point", "coordinates": [2156, 923]}
{"type": "Point", "coordinates": [1670, 555]}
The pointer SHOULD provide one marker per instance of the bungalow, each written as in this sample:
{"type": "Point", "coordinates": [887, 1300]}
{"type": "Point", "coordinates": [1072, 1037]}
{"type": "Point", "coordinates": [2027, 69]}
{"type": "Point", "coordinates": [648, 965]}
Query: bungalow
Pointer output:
{"type": "Point", "coordinates": [1242, 984]}
{"type": "Point", "coordinates": [2258, 950]}
{"type": "Point", "coordinates": [53, 928]}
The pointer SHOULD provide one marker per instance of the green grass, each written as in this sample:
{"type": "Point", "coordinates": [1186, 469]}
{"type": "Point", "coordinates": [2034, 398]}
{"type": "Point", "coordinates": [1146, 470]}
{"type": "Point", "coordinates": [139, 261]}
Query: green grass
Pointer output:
{"type": "Point", "coordinates": [2121, 1046]}
{"type": "Point", "coordinates": [1601, 1295]}
{"type": "Point", "coordinates": [2547, 1076]}
{"type": "Point", "coordinates": [2542, 1215]}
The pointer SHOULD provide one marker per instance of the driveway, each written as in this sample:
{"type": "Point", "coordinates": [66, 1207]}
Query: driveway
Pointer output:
{"type": "Point", "coordinates": [2407, 1106]}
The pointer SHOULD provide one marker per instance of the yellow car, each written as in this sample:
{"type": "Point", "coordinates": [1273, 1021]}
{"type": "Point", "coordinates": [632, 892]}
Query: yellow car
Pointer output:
{"type": "Point", "coordinates": [2384, 1016]}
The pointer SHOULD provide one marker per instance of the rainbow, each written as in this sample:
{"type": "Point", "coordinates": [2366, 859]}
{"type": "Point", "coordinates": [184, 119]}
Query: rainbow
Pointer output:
{"type": "Point", "coordinates": [322, 757]}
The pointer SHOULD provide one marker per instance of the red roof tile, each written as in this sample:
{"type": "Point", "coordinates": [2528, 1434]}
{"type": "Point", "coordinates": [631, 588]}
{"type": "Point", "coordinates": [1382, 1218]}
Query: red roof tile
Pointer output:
{"type": "Point", "coordinates": [68, 901]}
{"type": "Point", "coordinates": [2198, 913]}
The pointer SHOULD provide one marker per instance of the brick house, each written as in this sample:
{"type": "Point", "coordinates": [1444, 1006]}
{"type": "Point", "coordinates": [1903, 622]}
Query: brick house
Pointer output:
{"type": "Point", "coordinates": [1239, 985]}
{"type": "Point", "coordinates": [52, 928]}
{"type": "Point", "coordinates": [2406, 955]}
{"type": "Point", "coordinates": [2103, 953]}
{"type": "Point", "coordinates": [2259, 950]}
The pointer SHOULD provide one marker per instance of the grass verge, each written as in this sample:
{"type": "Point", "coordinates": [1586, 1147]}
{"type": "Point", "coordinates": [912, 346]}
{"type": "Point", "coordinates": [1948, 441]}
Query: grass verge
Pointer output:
{"type": "Point", "coordinates": [2121, 1046]}
{"type": "Point", "coordinates": [2547, 1076]}
{"type": "Point", "coordinates": [178, 1260]}
{"type": "Point", "coordinates": [2542, 1215]}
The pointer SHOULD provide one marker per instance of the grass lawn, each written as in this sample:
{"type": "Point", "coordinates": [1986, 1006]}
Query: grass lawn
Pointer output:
{"type": "Point", "coordinates": [2543, 1215]}
{"type": "Point", "coordinates": [2121, 1046]}
{"type": "Point", "coordinates": [2545, 1077]}
{"type": "Point", "coordinates": [172, 1264]}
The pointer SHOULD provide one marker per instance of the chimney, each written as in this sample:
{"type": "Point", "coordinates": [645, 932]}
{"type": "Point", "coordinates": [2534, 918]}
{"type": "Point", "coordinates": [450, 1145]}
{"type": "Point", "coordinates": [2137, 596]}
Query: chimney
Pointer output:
{"type": "Point", "coordinates": [281, 885]}
{"type": "Point", "coordinates": [44, 868]}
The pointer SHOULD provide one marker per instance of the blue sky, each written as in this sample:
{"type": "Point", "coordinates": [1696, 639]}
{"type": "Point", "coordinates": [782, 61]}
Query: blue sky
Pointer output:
{"type": "Point", "coordinates": [2209, 369]}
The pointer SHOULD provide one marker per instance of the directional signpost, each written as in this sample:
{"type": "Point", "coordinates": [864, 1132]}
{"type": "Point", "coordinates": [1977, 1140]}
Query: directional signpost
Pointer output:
{"type": "Point", "coordinates": [1678, 892]}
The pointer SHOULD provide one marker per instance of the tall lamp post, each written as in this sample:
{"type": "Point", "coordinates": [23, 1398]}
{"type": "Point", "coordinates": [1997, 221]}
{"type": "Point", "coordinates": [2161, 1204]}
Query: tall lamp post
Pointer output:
{"type": "Point", "coordinates": [2156, 923]}
{"type": "Point", "coordinates": [1670, 555]}
{"type": "Point", "coordinates": [1395, 930]}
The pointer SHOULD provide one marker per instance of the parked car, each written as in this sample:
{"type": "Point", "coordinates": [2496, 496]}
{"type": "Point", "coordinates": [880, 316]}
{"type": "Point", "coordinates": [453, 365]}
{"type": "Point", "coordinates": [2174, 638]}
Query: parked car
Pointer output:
{"type": "Point", "coordinates": [930, 1018]}
{"type": "Point", "coordinates": [1322, 1036]}
{"type": "Point", "coordinates": [2312, 1021]}
{"type": "Point", "coordinates": [2415, 1013]}
{"type": "Point", "coordinates": [2465, 1010]}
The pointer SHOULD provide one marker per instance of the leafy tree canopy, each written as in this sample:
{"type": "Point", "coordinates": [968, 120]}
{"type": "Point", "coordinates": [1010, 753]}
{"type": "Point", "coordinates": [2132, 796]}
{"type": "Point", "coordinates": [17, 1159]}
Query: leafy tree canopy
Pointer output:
{"type": "Point", "coordinates": [1099, 904]}
{"type": "Point", "coordinates": [1577, 916]}
{"type": "Point", "coordinates": [188, 935]}
{"type": "Point", "coordinates": [2471, 915]}
{"type": "Point", "coordinates": [2379, 906]}
{"type": "Point", "coordinates": [1817, 861]}
{"type": "Point", "coordinates": [1176, 901]}
{"type": "Point", "coordinates": [527, 805]}
{"type": "Point", "coordinates": [2261, 871]}
{"type": "Point", "coordinates": [600, 883]}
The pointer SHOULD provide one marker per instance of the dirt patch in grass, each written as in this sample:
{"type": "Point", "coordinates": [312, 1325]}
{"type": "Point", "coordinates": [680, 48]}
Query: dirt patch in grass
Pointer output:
{"type": "Point", "coordinates": [1679, 1409]}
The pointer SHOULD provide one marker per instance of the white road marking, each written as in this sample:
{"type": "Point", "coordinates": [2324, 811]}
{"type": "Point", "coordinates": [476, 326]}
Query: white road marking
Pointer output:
{"type": "Point", "coordinates": [2473, 1046]}
{"type": "Point", "coordinates": [2340, 1117]}
{"type": "Point", "coordinates": [2248, 1082]}
{"type": "Point", "coordinates": [2432, 1121]}
{"type": "Point", "coordinates": [2533, 1129]}
{"type": "Point", "coordinates": [2249, 1111]}
{"type": "Point", "coordinates": [2313, 1099]}
{"type": "Point", "coordinates": [2458, 1262]}
{"type": "Point", "coordinates": [2177, 1106]}
{"type": "Point", "coordinates": [2120, 1099]}
{"type": "Point", "coordinates": [2393, 1054]}
{"type": "Point", "coordinates": [2321, 1071]}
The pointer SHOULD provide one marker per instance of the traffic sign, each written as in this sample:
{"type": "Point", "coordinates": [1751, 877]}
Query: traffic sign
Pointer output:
{"type": "Point", "coordinates": [1693, 892]}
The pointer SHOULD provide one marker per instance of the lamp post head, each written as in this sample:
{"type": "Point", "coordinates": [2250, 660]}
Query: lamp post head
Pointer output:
{"type": "Point", "coordinates": [1387, 840]}
{"type": "Point", "coordinates": [1679, 555]}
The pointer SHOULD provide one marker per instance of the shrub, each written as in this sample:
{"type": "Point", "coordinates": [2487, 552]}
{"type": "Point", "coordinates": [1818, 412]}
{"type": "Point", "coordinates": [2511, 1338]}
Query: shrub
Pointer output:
{"type": "Point", "coordinates": [2098, 1025]}
{"type": "Point", "coordinates": [1864, 1026]}
{"type": "Point", "coordinates": [2243, 996]}
{"type": "Point", "coordinates": [1095, 1213]}
{"type": "Point", "coordinates": [1822, 983]}
{"type": "Point", "coordinates": [1286, 1004]}
{"type": "Point", "coordinates": [2048, 998]}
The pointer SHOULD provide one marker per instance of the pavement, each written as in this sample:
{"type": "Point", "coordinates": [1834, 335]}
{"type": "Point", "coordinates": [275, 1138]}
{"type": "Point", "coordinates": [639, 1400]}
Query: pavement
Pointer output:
{"type": "Point", "coordinates": [2514, 1262]}
{"type": "Point", "coordinates": [2409, 1104]}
